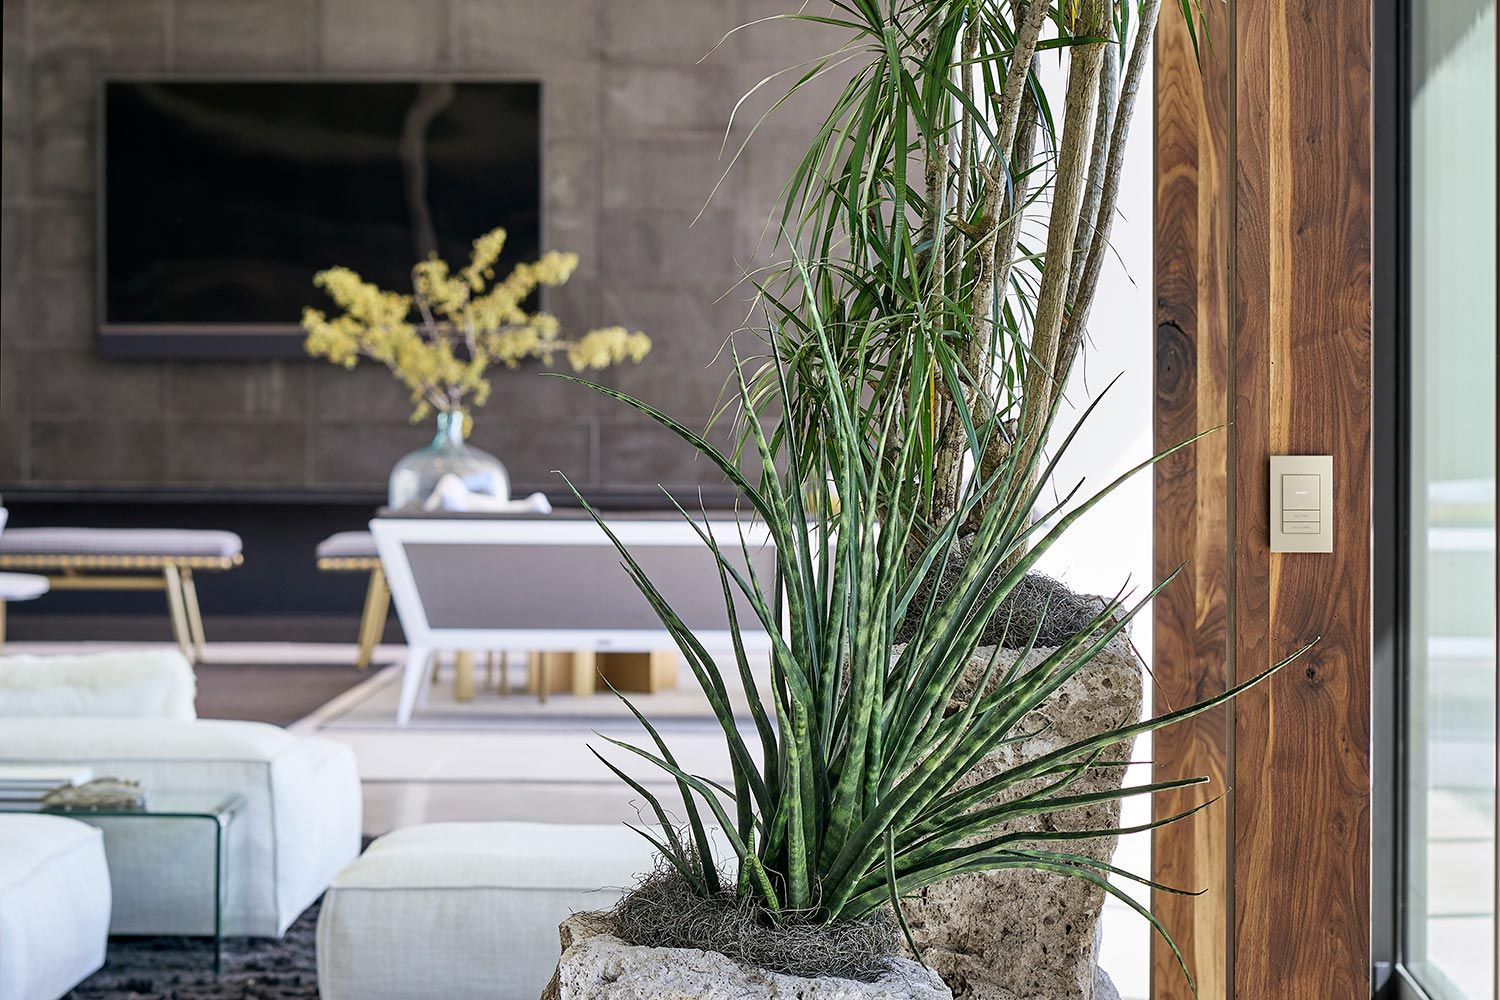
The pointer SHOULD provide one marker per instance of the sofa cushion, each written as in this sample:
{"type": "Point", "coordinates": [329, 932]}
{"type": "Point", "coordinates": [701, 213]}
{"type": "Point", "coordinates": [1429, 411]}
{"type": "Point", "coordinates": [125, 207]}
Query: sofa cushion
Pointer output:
{"type": "Point", "coordinates": [207, 740]}
{"type": "Point", "coordinates": [54, 904]}
{"type": "Point", "coordinates": [184, 542]}
{"type": "Point", "coordinates": [152, 684]}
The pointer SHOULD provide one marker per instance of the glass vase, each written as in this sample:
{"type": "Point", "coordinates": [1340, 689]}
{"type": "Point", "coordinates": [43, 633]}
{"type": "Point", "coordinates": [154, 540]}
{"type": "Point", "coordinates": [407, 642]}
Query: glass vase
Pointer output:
{"type": "Point", "coordinates": [416, 477]}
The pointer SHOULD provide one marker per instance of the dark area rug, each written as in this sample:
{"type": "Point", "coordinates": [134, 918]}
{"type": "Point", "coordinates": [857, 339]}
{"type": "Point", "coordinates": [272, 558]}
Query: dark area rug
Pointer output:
{"type": "Point", "coordinates": [171, 968]}
{"type": "Point", "coordinates": [276, 693]}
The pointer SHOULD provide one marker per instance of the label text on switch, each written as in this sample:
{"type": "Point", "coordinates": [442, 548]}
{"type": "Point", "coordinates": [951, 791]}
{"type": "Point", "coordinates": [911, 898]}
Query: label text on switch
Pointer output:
{"type": "Point", "coordinates": [1299, 492]}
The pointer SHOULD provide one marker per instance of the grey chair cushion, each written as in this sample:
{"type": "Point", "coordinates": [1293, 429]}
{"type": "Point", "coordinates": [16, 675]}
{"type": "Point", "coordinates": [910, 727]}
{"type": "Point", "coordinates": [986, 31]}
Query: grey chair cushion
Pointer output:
{"type": "Point", "coordinates": [21, 586]}
{"type": "Point", "coordinates": [120, 542]}
{"type": "Point", "coordinates": [347, 545]}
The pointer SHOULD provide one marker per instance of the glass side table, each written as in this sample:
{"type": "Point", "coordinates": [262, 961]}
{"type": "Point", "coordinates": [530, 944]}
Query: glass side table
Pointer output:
{"type": "Point", "coordinates": [213, 809]}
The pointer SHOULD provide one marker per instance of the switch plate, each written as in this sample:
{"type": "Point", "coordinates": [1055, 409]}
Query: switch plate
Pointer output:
{"type": "Point", "coordinates": [1301, 503]}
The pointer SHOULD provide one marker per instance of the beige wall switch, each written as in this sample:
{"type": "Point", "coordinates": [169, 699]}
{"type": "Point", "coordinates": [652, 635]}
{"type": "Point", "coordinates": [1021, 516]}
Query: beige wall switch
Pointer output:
{"type": "Point", "coordinates": [1302, 503]}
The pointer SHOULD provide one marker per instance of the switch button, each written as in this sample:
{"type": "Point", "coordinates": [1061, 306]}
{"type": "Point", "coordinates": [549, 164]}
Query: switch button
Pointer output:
{"type": "Point", "coordinates": [1299, 492]}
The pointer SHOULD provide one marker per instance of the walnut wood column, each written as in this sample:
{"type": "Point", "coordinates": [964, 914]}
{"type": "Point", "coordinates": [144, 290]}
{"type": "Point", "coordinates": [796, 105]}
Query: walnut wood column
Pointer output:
{"type": "Point", "coordinates": [1263, 282]}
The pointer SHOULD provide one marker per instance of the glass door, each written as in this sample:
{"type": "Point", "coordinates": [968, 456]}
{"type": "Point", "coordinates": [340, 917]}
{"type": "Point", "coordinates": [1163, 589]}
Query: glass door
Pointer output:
{"type": "Point", "coordinates": [1446, 845]}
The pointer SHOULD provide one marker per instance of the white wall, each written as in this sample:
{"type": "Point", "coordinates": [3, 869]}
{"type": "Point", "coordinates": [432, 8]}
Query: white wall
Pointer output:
{"type": "Point", "coordinates": [1111, 545]}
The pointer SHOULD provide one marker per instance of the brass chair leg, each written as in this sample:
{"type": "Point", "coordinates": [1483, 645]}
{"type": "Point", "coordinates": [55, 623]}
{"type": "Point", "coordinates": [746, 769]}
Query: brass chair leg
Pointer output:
{"type": "Point", "coordinates": [177, 611]}
{"type": "Point", "coordinates": [382, 606]}
{"type": "Point", "coordinates": [372, 620]}
{"type": "Point", "coordinates": [194, 614]}
{"type": "Point", "coordinates": [2, 623]}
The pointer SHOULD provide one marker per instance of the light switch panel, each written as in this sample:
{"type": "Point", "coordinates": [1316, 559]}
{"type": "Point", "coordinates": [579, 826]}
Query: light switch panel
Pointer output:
{"type": "Point", "coordinates": [1301, 503]}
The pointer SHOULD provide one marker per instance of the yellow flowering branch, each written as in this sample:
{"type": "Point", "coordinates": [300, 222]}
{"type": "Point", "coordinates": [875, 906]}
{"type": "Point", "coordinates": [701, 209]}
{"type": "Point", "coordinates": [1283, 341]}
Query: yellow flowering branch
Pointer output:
{"type": "Point", "coordinates": [465, 323]}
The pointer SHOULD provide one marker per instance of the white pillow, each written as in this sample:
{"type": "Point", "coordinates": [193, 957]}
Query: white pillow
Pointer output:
{"type": "Point", "coordinates": [146, 684]}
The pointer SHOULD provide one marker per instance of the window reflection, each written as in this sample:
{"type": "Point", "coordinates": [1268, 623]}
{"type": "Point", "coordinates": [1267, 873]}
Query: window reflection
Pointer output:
{"type": "Point", "coordinates": [1450, 926]}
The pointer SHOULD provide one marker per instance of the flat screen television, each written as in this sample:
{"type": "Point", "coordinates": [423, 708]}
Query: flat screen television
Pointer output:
{"type": "Point", "coordinates": [221, 199]}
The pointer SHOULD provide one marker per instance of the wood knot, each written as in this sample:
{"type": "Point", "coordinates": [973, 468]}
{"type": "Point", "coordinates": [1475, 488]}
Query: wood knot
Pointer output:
{"type": "Point", "coordinates": [1174, 362]}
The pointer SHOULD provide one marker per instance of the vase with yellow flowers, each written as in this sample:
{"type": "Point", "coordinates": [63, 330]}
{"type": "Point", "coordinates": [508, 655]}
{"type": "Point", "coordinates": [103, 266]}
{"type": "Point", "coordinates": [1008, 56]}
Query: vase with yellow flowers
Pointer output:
{"type": "Point", "coordinates": [441, 342]}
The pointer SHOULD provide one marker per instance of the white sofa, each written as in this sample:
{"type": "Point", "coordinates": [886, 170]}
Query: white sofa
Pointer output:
{"type": "Point", "coordinates": [130, 715]}
{"type": "Point", "coordinates": [454, 911]}
{"type": "Point", "coordinates": [54, 905]}
{"type": "Point", "coordinates": [299, 825]}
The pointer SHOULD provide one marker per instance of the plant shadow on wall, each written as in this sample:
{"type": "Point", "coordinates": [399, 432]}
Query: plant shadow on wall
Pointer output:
{"type": "Point", "coordinates": [918, 341]}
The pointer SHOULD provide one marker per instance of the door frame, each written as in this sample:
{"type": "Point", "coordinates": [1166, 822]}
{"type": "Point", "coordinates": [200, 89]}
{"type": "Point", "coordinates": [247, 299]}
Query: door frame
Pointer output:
{"type": "Point", "coordinates": [1391, 504]}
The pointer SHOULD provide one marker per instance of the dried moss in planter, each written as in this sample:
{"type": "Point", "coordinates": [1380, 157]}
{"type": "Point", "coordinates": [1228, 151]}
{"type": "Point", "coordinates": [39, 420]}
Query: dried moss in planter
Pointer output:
{"type": "Point", "coordinates": [1038, 603]}
{"type": "Point", "coordinates": [663, 911]}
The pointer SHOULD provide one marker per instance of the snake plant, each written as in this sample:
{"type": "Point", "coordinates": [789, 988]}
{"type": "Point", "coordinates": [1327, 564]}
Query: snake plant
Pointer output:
{"type": "Point", "coordinates": [848, 789]}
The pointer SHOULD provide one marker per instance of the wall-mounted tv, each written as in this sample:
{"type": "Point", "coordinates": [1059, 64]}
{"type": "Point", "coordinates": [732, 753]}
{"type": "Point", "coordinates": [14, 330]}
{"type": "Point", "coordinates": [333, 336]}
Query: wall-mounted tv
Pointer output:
{"type": "Point", "coordinates": [220, 199]}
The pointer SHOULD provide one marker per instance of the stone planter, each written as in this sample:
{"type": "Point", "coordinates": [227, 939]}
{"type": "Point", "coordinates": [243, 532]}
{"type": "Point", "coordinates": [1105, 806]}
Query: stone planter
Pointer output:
{"type": "Point", "coordinates": [596, 965]}
{"type": "Point", "coordinates": [1021, 935]}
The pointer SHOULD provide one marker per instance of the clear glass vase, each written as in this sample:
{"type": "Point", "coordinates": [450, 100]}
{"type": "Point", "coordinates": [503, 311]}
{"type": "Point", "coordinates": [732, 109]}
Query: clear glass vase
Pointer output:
{"type": "Point", "coordinates": [416, 476]}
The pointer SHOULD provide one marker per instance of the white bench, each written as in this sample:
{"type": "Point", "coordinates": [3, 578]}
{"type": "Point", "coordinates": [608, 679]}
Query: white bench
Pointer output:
{"type": "Point", "coordinates": [54, 905]}
{"type": "Point", "coordinates": [17, 586]}
{"type": "Point", "coordinates": [467, 910]}
{"type": "Point", "coordinates": [354, 552]}
{"type": "Point", "coordinates": [127, 559]}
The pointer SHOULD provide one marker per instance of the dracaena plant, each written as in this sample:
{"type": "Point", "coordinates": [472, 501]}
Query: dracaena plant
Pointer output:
{"type": "Point", "coordinates": [850, 792]}
{"type": "Point", "coordinates": [952, 214]}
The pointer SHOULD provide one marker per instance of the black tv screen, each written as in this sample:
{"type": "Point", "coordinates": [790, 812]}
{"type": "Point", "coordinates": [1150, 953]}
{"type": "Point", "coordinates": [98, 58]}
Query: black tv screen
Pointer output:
{"type": "Point", "coordinates": [222, 199]}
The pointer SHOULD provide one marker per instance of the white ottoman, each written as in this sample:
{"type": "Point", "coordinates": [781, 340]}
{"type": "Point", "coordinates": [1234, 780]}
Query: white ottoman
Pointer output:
{"type": "Point", "coordinates": [461, 910]}
{"type": "Point", "coordinates": [54, 905]}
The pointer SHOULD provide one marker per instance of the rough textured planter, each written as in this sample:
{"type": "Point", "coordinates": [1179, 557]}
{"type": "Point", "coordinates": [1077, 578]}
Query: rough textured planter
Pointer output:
{"type": "Point", "coordinates": [596, 965]}
{"type": "Point", "coordinates": [1020, 935]}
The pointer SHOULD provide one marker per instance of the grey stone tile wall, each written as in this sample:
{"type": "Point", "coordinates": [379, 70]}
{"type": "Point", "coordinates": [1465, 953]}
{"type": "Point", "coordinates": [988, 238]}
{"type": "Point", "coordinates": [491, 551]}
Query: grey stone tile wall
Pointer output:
{"type": "Point", "coordinates": [634, 122]}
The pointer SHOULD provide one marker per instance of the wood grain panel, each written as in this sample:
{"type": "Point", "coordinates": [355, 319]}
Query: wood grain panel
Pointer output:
{"type": "Point", "coordinates": [1302, 361]}
{"type": "Point", "coordinates": [1194, 173]}
{"type": "Point", "coordinates": [1263, 268]}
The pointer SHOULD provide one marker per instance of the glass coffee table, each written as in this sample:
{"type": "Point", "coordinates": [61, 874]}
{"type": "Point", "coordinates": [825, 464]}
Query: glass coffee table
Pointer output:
{"type": "Point", "coordinates": [207, 808]}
